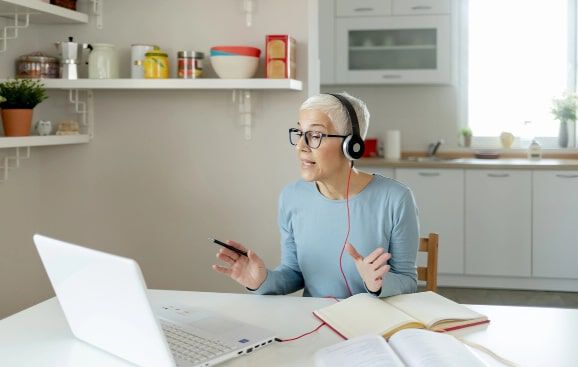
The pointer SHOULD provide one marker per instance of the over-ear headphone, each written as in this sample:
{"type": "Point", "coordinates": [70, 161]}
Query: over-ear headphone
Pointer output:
{"type": "Point", "coordinates": [353, 144]}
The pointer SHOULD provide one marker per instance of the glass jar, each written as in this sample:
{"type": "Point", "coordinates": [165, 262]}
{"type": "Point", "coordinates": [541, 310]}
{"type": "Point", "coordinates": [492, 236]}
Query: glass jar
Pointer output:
{"type": "Point", "coordinates": [190, 64]}
{"type": "Point", "coordinates": [156, 65]}
{"type": "Point", "coordinates": [37, 66]}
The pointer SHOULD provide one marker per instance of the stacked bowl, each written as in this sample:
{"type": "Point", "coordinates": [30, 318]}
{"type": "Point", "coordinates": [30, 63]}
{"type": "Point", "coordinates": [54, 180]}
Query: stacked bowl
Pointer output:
{"type": "Point", "coordinates": [235, 62]}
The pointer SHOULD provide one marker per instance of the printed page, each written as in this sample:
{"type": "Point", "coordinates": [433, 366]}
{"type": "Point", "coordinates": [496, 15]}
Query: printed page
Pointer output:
{"type": "Point", "coordinates": [364, 314]}
{"type": "Point", "coordinates": [363, 351]}
{"type": "Point", "coordinates": [423, 348]}
{"type": "Point", "coordinates": [430, 308]}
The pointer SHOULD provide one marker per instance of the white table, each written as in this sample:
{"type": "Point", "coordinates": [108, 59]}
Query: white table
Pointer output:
{"type": "Point", "coordinates": [530, 336]}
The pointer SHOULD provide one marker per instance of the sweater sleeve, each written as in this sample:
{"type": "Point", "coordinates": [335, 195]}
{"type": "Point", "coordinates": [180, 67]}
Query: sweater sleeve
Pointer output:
{"type": "Point", "coordinates": [402, 277]}
{"type": "Point", "coordinates": [287, 277]}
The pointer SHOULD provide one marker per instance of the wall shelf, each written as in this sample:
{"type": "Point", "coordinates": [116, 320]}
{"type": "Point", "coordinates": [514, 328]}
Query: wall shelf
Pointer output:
{"type": "Point", "coordinates": [41, 12]}
{"type": "Point", "coordinates": [38, 141]}
{"type": "Point", "coordinates": [155, 84]}
{"type": "Point", "coordinates": [21, 148]}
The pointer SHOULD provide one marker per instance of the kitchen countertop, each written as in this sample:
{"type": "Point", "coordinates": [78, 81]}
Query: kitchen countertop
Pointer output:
{"type": "Point", "coordinates": [472, 163]}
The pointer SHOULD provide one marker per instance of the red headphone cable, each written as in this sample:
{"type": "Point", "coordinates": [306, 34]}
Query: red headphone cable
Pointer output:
{"type": "Point", "coordinates": [348, 229]}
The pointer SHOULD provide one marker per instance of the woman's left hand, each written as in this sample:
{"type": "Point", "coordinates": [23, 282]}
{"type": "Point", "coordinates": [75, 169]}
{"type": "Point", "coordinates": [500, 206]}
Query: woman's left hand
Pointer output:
{"type": "Point", "coordinates": [372, 268]}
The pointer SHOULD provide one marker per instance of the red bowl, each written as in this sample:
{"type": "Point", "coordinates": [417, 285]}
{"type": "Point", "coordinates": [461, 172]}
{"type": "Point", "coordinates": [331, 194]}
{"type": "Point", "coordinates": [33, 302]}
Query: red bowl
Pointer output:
{"type": "Point", "coordinates": [239, 50]}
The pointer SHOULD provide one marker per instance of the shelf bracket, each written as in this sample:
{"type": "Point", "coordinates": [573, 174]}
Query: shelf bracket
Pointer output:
{"type": "Point", "coordinates": [244, 105]}
{"type": "Point", "coordinates": [8, 165]}
{"type": "Point", "coordinates": [97, 6]}
{"type": "Point", "coordinates": [14, 28]}
{"type": "Point", "coordinates": [85, 108]}
{"type": "Point", "coordinates": [249, 9]}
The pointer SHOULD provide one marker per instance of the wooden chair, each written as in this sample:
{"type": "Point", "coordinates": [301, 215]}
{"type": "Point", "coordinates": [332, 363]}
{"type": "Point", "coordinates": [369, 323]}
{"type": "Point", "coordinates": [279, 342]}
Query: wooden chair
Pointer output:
{"type": "Point", "coordinates": [429, 273]}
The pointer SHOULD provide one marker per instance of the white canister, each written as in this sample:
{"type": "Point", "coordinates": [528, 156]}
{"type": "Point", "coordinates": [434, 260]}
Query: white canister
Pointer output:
{"type": "Point", "coordinates": [102, 62]}
{"type": "Point", "coordinates": [392, 144]}
{"type": "Point", "coordinates": [137, 56]}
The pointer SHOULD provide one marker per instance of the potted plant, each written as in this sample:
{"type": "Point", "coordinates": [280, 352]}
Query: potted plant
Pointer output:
{"type": "Point", "coordinates": [466, 134]}
{"type": "Point", "coordinates": [564, 110]}
{"type": "Point", "coordinates": [19, 96]}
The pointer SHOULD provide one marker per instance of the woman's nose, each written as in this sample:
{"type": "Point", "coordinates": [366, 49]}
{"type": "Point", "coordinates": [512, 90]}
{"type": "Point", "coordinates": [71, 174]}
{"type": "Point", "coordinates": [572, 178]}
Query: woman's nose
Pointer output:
{"type": "Point", "coordinates": [301, 144]}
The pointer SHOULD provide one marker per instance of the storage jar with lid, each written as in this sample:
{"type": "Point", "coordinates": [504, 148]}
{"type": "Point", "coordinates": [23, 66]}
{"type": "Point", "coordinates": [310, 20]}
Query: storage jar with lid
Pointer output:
{"type": "Point", "coordinates": [37, 66]}
{"type": "Point", "coordinates": [190, 64]}
{"type": "Point", "coordinates": [156, 65]}
{"type": "Point", "coordinates": [102, 62]}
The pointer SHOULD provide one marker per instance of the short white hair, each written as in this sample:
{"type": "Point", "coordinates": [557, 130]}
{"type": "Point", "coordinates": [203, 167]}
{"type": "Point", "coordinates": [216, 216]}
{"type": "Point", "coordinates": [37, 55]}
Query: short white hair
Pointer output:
{"type": "Point", "coordinates": [337, 113]}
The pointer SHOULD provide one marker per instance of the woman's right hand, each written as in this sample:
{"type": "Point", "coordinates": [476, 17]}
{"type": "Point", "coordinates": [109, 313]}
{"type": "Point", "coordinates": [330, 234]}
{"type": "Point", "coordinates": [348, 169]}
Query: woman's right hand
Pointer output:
{"type": "Point", "coordinates": [249, 271]}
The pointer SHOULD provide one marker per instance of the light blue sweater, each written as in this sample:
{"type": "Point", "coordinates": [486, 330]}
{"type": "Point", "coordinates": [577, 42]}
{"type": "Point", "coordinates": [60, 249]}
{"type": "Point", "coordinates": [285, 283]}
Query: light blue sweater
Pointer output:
{"type": "Point", "coordinates": [313, 229]}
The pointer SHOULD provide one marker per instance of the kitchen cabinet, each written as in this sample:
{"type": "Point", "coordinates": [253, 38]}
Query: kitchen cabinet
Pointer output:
{"type": "Point", "coordinates": [498, 223]}
{"type": "Point", "coordinates": [421, 7]}
{"type": "Point", "coordinates": [439, 195]}
{"type": "Point", "coordinates": [555, 219]}
{"type": "Point", "coordinates": [385, 42]}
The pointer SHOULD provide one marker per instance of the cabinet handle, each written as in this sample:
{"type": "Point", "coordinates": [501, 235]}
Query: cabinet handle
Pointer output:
{"type": "Point", "coordinates": [429, 174]}
{"type": "Point", "coordinates": [421, 7]}
{"type": "Point", "coordinates": [391, 76]}
{"type": "Point", "coordinates": [363, 9]}
{"type": "Point", "coordinates": [566, 176]}
{"type": "Point", "coordinates": [498, 175]}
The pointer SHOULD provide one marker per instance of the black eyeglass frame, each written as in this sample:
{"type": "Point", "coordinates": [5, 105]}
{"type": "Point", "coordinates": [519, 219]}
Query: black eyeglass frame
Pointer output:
{"type": "Point", "coordinates": [304, 134]}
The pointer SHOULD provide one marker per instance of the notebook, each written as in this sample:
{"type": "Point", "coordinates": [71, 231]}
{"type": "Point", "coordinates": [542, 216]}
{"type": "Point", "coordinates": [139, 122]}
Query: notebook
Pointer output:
{"type": "Point", "coordinates": [104, 299]}
{"type": "Point", "coordinates": [365, 314]}
{"type": "Point", "coordinates": [407, 348]}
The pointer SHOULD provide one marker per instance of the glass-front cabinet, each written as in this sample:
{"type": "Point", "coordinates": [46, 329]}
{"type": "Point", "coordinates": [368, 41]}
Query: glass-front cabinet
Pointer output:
{"type": "Point", "coordinates": [393, 49]}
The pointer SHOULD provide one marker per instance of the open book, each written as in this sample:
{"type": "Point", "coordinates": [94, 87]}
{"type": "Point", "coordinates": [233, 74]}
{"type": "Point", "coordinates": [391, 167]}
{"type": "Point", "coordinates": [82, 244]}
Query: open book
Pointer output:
{"type": "Point", "coordinates": [365, 314]}
{"type": "Point", "coordinates": [407, 348]}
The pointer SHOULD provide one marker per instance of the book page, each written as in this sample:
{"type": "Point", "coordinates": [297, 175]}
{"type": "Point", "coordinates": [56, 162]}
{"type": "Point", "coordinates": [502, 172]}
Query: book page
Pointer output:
{"type": "Point", "coordinates": [430, 308]}
{"type": "Point", "coordinates": [364, 314]}
{"type": "Point", "coordinates": [363, 351]}
{"type": "Point", "coordinates": [423, 348]}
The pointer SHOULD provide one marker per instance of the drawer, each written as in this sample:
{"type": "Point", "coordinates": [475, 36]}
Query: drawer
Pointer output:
{"type": "Point", "coordinates": [416, 7]}
{"type": "Point", "coordinates": [352, 8]}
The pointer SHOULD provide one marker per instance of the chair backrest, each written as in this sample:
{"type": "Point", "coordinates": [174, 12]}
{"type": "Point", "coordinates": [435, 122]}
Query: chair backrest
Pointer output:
{"type": "Point", "coordinates": [429, 273]}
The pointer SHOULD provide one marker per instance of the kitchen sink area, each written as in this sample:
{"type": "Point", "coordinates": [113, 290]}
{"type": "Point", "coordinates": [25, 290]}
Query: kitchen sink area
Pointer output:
{"type": "Point", "coordinates": [471, 162]}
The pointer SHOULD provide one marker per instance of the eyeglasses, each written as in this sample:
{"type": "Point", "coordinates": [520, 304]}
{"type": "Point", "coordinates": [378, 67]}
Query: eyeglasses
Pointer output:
{"type": "Point", "coordinates": [312, 138]}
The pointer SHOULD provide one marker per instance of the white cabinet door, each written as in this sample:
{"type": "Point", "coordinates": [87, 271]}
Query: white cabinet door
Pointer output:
{"type": "Point", "coordinates": [393, 50]}
{"type": "Point", "coordinates": [498, 222]}
{"type": "Point", "coordinates": [417, 7]}
{"type": "Point", "coordinates": [555, 223]}
{"type": "Point", "coordinates": [356, 8]}
{"type": "Point", "coordinates": [439, 194]}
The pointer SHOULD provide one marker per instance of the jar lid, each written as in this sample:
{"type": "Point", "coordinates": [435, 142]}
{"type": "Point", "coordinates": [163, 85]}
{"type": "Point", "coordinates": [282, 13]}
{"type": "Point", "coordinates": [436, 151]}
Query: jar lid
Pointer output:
{"type": "Point", "coordinates": [103, 45]}
{"type": "Point", "coordinates": [38, 57]}
{"type": "Point", "coordinates": [156, 53]}
{"type": "Point", "coordinates": [191, 54]}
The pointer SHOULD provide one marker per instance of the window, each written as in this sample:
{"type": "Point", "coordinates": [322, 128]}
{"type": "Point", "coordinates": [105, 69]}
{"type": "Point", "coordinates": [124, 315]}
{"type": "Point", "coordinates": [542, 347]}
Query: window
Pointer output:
{"type": "Point", "coordinates": [516, 56]}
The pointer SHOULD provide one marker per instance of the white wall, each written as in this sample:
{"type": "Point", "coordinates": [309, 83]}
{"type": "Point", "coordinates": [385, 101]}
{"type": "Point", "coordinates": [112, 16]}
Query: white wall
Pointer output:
{"type": "Point", "coordinates": [166, 169]}
{"type": "Point", "coordinates": [423, 114]}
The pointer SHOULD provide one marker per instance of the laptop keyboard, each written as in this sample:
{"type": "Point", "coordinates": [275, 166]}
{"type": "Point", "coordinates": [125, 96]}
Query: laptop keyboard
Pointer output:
{"type": "Point", "coordinates": [190, 347]}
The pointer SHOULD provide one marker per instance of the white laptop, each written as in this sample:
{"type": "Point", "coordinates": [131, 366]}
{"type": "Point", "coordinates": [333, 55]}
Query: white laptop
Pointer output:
{"type": "Point", "coordinates": [104, 299]}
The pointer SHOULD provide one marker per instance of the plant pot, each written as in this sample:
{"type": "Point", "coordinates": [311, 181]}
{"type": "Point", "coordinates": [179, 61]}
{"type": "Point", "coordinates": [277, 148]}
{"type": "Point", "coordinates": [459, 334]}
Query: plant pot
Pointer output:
{"type": "Point", "coordinates": [467, 141]}
{"type": "Point", "coordinates": [16, 121]}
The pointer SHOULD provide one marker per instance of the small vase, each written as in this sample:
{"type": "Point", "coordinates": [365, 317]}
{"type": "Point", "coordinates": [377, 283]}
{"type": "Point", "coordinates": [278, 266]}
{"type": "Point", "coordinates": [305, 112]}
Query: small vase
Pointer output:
{"type": "Point", "coordinates": [563, 134]}
{"type": "Point", "coordinates": [16, 121]}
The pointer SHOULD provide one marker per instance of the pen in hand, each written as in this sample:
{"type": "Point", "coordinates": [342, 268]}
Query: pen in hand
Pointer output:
{"type": "Point", "coordinates": [234, 249]}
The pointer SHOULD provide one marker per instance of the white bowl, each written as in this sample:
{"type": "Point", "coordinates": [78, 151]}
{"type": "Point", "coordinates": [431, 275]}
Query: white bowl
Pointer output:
{"type": "Point", "coordinates": [235, 67]}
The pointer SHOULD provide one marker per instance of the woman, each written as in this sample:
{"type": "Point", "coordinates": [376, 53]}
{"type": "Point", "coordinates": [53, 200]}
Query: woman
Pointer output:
{"type": "Point", "coordinates": [313, 219]}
